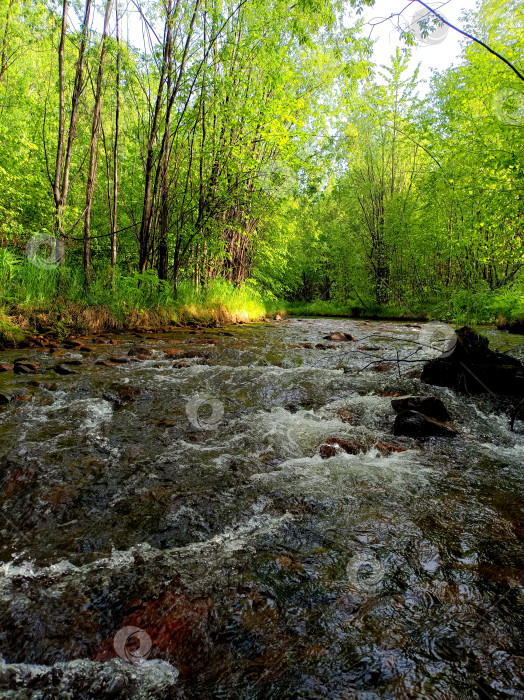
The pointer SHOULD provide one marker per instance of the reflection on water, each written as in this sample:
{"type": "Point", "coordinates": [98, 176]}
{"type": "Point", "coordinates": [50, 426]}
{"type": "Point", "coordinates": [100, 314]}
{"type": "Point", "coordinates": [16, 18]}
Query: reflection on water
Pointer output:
{"type": "Point", "coordinates": [186, 498]}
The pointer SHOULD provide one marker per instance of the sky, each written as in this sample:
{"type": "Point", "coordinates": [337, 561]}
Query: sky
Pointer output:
{"type": "Point", "coordinates": [444, 52]}
{"type": "Point", "coordinates": [441, 54]}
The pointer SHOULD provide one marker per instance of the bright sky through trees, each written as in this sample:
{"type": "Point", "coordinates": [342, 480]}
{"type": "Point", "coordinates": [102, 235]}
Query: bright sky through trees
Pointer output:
{"type": "Point", "coordinates": [431, 57]}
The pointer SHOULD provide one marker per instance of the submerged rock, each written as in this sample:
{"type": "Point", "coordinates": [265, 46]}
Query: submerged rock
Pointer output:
{"type": "Point", "coordinates": [417, 425]}
{"type": "Point", "coordinates": [468, 365]}
{"type": "Point", "coordinates": [430, 406]}
{"type": "Point", "coordinates": [386, 449]}
{"type": "Point", "coordinates": [82, 678]}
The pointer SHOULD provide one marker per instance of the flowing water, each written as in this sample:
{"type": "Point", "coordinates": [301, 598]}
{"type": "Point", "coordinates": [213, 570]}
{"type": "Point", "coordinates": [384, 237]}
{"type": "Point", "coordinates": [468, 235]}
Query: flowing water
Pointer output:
{"type": "Point", "coordinates": [170, 529]}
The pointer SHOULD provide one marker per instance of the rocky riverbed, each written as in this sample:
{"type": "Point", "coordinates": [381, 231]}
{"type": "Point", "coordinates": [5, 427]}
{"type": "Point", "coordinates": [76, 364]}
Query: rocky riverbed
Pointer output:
{"type": "Point", "coordinates": [228, 513]}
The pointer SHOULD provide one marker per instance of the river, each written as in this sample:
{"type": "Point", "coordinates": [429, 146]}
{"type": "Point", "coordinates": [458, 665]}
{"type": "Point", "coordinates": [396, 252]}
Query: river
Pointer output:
{"type": "Point", "coordinates": [171, 530]}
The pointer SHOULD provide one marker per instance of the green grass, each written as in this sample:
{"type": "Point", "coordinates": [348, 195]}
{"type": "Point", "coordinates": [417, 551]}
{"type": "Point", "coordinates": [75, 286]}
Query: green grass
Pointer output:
{"type": "Point", "coordinates": [350, 309]}
{"type": "Point", "coordinates": [57, 300]}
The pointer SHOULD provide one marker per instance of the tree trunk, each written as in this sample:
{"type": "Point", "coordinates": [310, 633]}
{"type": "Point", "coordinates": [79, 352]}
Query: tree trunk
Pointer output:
{"type": "Point", "coordinates": [93, 147]}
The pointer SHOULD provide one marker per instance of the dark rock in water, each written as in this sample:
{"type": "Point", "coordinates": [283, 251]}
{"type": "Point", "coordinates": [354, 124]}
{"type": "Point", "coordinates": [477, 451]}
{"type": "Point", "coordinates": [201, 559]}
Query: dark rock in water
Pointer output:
{"type": "Point", "coordinates": [382, 367]}
{"type": "Point", "coordinates": [26, 367]}
{"type": "Point", "coordinates": [121, 395]}
{"type": "Point", "coordinates": [71, 343]}
{"type": "Point", "coordinates": [515, 326]}
{"type": "Point", "coordinates": [139, 350]}
{"type": "Point", "coordinates": [517, 414]}
{"type": "Point", "coordinates": [63, 369]}
{"type": "Point", "coordinates": [468, 365]}
{"type": "Point", "coordinates": [4, 399]}
{"type": "Point", "coordinates": [386, 449]}
{"type": "Point", "coordinates": [339, 336]}
{"type": "Point", "coordinates": [428, 405]}
{"type": "Point", "coordinates": [333, 446]}
{"type": "Point", "coordinates": [415, 424]}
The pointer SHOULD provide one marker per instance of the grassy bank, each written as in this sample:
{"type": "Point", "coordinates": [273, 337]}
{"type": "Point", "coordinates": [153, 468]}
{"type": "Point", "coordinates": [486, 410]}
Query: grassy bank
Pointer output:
{"type": "Point", "coordinates": [56, 302]}
{"type": "Point", "coordinates": [351, 310]}
{"type": "Point", "coordinates": [504, 308]}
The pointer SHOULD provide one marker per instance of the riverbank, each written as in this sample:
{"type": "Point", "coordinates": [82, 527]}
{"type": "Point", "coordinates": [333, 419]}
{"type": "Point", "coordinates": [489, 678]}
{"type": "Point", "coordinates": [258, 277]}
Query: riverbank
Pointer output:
{"type": "Point", "coordinates": [34, 310]}
{"type": "Point", "coordinates": [504, 311]}
{"type": "Point", "coordinates": [38, 310]}
{"type": "Point", "coordinates": [23, 326]}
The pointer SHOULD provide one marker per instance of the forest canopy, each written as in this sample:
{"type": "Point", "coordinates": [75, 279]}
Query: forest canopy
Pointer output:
{"type": "Point", "coordinates": [257, 143]}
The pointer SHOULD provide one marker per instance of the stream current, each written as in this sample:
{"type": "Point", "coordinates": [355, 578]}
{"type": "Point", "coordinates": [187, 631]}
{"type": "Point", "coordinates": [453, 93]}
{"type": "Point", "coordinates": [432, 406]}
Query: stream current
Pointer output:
{"type": "Point", "coordinates": [169, 528]}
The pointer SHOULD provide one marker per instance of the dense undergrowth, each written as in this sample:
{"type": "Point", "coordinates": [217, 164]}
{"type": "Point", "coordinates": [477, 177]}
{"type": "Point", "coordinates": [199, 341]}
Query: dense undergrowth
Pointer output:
{"type": "Point", "coordinates": [56, 300]}
{"type": "Point", "coordinates": [463, 307]}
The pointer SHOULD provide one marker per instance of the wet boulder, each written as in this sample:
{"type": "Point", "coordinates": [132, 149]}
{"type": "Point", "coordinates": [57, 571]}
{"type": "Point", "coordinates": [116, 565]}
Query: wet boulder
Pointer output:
{"type": "Point", "coordinates": [333, 446]}
{"type": "Point", "coordinates": [339, 336]}
{"type": "Point", "coordinates": [139, 351]}
{"type": "Point", "coordinates": [6, 368]}
{"type": "Point", "coordinates": [4, 400]}
{"type": "Point", "coordinates": [517, 414]}
{"type": "Point", "coordinates": [514, 326]}
{"type": "Point", "coordinates": [64, 370]}
{"type": "Point", "coordinates": [469, 366]}
{"type": "Point", "coordinates": [429, 406]}
{"type": "Point", "coordinates": [416, 425]}
{"type": "Point", "coordinates": [23, 366]}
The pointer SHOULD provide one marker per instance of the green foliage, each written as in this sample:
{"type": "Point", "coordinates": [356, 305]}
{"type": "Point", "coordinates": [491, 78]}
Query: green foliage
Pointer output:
{"type": "Point", "coordinates": [296, 169]}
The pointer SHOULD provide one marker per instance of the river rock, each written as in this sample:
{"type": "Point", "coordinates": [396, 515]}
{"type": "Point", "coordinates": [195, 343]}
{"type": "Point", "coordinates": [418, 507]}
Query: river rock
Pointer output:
{"type": "Point", "coordinates": [333, 446]}
{"type": "Point", "coordinates": [6, 368]}
{"type": "Point", "coordinates": [517, 414]}
{"type": "Point", "coordinates": [468, 365]}
{"type": "Point", "coordinates": [4, 399]}
{"type": "Point", "coordinates": [26, 367]}
{"type": "Point", "coordinates": [139, 351]}
{"type": "Point", "coordinates": [339, 336]}
{"type": "Point", "coordinates": [63, 370]}
{"type": "Point", "coordinates": [515, 326]}
{"type": "Point", "coordinates": [430, 406]}
{"type": "Point", "coordinates": [386, 449]}
{"type": "Point", "coordinates": [417, 425]}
